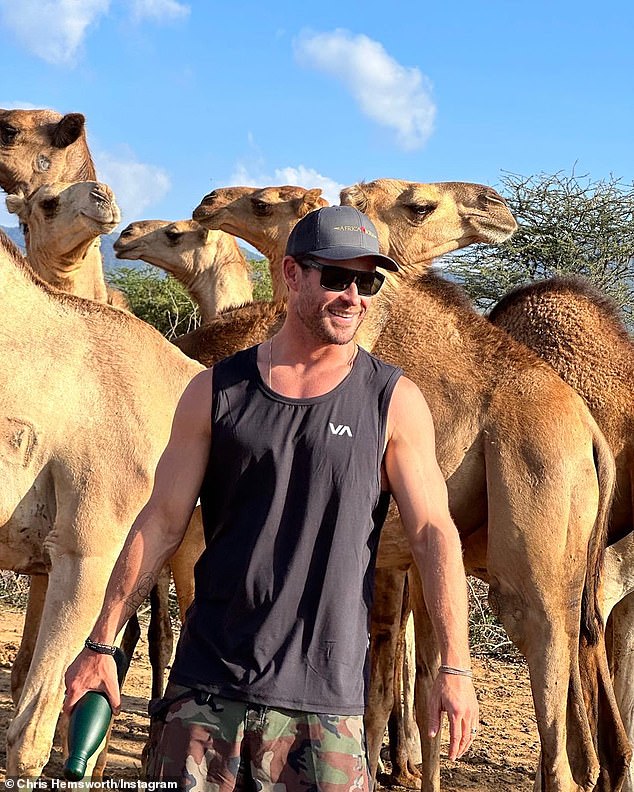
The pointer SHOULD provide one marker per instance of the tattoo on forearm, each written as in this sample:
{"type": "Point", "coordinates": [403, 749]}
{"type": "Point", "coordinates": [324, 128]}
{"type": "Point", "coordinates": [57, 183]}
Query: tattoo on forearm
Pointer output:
{"type": "Point", "coordinates": [135, 599]}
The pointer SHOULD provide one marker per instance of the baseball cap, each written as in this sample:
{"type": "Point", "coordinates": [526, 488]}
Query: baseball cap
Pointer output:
{"type": "Point", "coordinates": [337, 233]}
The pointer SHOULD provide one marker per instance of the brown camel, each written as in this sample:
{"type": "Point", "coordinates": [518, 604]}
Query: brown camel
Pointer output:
{"type": "Point", "coordinates": [578, 331]}
{"type": "Point", "coordinates": [271, 211]}
{"type": "Point", "coordinates": [452, 215]}
{"type": "Point", "coordinates": [73, 477]}
{"type": "Point", "coordinates": [522, 477]}
{"type": "Point", "coordinates": [209, 264]}
{"type": "Point", "coordinates": [41, 146]}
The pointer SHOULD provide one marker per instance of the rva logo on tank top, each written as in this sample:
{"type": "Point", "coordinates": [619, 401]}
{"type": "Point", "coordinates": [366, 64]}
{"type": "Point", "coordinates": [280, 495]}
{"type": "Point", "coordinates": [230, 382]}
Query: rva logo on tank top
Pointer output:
{"type": "Point", "coordinates": [340, 429]}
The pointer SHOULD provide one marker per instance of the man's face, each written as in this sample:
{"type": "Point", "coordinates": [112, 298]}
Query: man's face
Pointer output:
{"type": "Point", "coordinates": [332, 316]}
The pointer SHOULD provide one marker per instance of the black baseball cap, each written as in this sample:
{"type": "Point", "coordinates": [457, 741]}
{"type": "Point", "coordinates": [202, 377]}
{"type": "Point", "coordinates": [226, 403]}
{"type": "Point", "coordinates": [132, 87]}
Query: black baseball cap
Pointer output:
{"type": "Point", "coordinates": [337, 233]}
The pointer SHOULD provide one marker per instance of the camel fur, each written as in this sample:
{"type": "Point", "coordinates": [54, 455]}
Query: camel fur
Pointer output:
{"type": "Point", "coordinates": [41, 146]}
{"type": "Point", "coordinates": [209, 264]}
{"type": "Point", "coordinates": [275, 211]}
{"type": "Point", "coordinates": [578, 331]}
{"type": "Point", "coordinates": [77, 466]}
{"type": "Point", "coordinates": [530, 480]}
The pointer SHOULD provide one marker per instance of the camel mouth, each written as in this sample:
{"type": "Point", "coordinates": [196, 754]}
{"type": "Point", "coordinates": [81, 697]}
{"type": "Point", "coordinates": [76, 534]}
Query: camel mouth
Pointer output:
{"type": "Point", "coordinates": [103, 216]}
{"type": "Point", "coordinates": [121, 247]}
{"type": "Point", "coordinates": [207, 217]}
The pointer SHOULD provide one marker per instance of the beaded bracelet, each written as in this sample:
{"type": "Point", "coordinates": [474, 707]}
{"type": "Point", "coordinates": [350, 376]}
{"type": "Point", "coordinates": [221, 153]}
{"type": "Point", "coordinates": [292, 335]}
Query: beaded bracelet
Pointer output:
{"type": "Point", "coordinates": [445, 669]}
{"type": "Point", "coordinates": [100, 648]}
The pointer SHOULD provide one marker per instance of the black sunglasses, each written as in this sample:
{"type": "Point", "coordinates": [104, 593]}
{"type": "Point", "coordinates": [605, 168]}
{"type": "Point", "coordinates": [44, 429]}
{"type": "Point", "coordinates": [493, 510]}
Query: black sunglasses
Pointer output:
{"type": "Point", "coordinates": [335, 278]}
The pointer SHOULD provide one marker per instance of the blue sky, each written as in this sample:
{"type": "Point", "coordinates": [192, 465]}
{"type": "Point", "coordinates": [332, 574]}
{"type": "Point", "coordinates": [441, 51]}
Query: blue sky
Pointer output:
{"type": "Point", "coordinates": [181, 98]}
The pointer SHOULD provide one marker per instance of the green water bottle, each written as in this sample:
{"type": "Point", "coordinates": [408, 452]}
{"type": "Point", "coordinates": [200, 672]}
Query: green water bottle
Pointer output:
{"type": "Point", "coordinates": [88, 725]}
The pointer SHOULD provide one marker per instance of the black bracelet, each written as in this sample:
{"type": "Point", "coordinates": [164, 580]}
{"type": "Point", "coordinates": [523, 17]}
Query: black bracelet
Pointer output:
{"type": "Point", "coordinates": [100, 648]}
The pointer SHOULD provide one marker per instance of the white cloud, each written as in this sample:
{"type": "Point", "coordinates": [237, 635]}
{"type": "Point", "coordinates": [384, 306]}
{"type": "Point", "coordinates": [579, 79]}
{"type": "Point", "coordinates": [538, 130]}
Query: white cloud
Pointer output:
{"type": "Point", "coordinates": [308, 177]}
{"type": "Point", "coordinates": [394, 96]}
{"type": "Point", "coordinates": [53, 30]}
{"type": "Point", "coordinates": [20, 106]}
{"type": "Point", "coordinates": [159, 10]}
{"type": "Point", "coordinates": [299, 176]}
{"type": "Point", "coordinates": [136, 185]}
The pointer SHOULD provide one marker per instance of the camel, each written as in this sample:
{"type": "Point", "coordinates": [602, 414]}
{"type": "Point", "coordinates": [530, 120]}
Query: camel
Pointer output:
{"type": "Point", "coordinates": [452, 216]}
{"type": "Point", "coordinates": [63, 223]}
{"type": "Point", "coordinates": [41, 146]}
{"type": "Point", "coordinates": [578, 331]}
{"type": "Point", "coordinates": [76, 466]}
{"type": "Point", "coordinates": [271, 213]}
{"type": "Point", "coordinates": [209, 264]}
{"type": "Point", "coordinates": [530, 491]}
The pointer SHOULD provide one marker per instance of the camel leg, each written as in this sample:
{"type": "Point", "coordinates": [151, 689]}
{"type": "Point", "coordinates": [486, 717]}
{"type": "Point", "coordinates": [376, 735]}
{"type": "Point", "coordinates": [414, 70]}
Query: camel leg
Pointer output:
{"type": "Point", "coordinates": [76, 587]}
{"type": "Point", "coordinates": [183, 560]}
{"type": "Point", "coordinates": [427, 662]}
{"type": "Point", "coordinates": [22, 662]}
{"type": "Point", "coordinates": [534, 540]}
{"type": "Point", "coordinates": [405, 746]}
{"type": "Point", "coordinates": [622, 624]}
{"type": "Point", "coordinates": [160, 634]}
{"type": "Point", "coordinates": [389, 585]}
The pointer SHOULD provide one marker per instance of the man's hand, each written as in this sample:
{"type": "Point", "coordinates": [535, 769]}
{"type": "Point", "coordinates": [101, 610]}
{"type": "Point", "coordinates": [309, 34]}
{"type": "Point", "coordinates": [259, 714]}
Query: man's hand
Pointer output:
{"type": "Point", "coordinates": [454, 695]}
{"type": "Point", "coordinates": [92, 671]}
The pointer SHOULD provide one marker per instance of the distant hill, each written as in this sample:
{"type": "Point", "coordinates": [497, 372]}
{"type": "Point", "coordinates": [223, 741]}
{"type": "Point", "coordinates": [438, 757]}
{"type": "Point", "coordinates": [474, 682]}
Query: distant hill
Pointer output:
{"type": "Point", "coordinates": [110, 261]}
{"type": "Point", "coordinates": [15, 235]}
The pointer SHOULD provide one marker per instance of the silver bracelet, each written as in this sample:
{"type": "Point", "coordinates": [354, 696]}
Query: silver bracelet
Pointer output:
{"type": "Point", "coordinates": [445, 669]}
{"type": "Point", "coordinates": [100, 648]}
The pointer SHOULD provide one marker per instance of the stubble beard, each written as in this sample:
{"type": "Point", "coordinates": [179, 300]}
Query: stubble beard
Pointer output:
{"type": "Point", "coordinates": [318, 326]}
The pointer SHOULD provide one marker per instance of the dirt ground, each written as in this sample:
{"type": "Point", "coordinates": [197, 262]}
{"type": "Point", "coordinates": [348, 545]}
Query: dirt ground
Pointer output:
{"type": "Point", "coordinates": [502, 759]}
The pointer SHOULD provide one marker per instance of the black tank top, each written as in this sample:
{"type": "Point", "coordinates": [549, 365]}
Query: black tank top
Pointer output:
{"type": "Point", "coordinates": [292, 509]}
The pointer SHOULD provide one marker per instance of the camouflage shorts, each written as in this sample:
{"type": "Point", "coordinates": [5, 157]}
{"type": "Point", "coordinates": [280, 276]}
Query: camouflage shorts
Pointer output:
{"type": "Point", "coordinates": [212, 744]}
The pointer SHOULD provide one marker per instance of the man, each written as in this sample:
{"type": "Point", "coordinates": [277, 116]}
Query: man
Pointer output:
{"type": "Point", "coordinates": [294, 447]}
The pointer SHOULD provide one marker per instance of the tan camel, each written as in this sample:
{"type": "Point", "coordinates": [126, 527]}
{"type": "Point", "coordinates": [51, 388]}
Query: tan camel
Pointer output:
{"type": "Point", "coordinates": [209, 264]}
{"type": "Point", "coordinates": [74, 477]}
{"type": "Point", "coordinates": [530, 479]}
{"type": "Point", "coordinates": [41, 146]}
{"type": "Point", "coordinates": [270, 212]}
{"type": "Point", "coordinates": [452, 215]}
{"type": "Point", "coordinates": [63, 223]}
{"type": "Point", "coordinates": [579, 332]}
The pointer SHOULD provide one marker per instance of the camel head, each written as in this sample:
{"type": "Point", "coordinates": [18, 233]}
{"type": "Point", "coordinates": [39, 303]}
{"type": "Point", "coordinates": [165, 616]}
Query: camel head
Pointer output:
{"type": "Point", "coordinates": [182, 247]}
{"type": "Point", "coordinates": [417, 222]}
{"type": "Point", "coordinates": [61, 218]}
{"type": "Point", "coordinates": [263, 216]}
{"type": "Point", "coordinates": [209, 263]}
{"type": "Point", "coordinates": [40, 146]}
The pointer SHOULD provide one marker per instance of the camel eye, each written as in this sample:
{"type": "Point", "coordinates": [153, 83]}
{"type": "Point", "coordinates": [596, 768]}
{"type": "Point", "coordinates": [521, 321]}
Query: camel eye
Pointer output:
{"type": "Point", "coordinates": [173, 235]}
{"type": "Point", "coordinates": [420, 211]}
{"type": "Point", "coordinates": [260, 207]}
{"type": "Point", "coordinates": [7, 134]}
{"type": "Point", "coordinates": [49, 206]}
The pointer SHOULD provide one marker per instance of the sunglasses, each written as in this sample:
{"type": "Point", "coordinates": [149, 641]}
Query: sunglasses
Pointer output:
{"type": "Point", "coordinates": [340, 278]}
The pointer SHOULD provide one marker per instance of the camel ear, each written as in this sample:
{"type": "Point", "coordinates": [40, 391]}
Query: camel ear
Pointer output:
{"type": "Point", "coordinates": [354, 196]}
{"type": "Point", "coordinates": [311, 201]}
{"type": "Point", "coordinates": [68, 130]}
{"type": "Point", "coordinates": [16, 204]}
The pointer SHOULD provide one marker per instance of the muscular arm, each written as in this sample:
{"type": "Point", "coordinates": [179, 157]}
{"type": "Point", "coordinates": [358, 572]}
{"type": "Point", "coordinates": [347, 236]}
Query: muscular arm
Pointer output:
{"type": "Point", "coordinates": [420, 492]}
{"type": "Point", "coordinates": [153, 538]}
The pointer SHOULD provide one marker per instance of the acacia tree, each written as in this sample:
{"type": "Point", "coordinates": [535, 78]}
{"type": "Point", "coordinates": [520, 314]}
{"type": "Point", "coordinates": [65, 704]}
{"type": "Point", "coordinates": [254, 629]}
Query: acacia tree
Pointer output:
{"type": "Point", "coordinates": [568, 224]}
